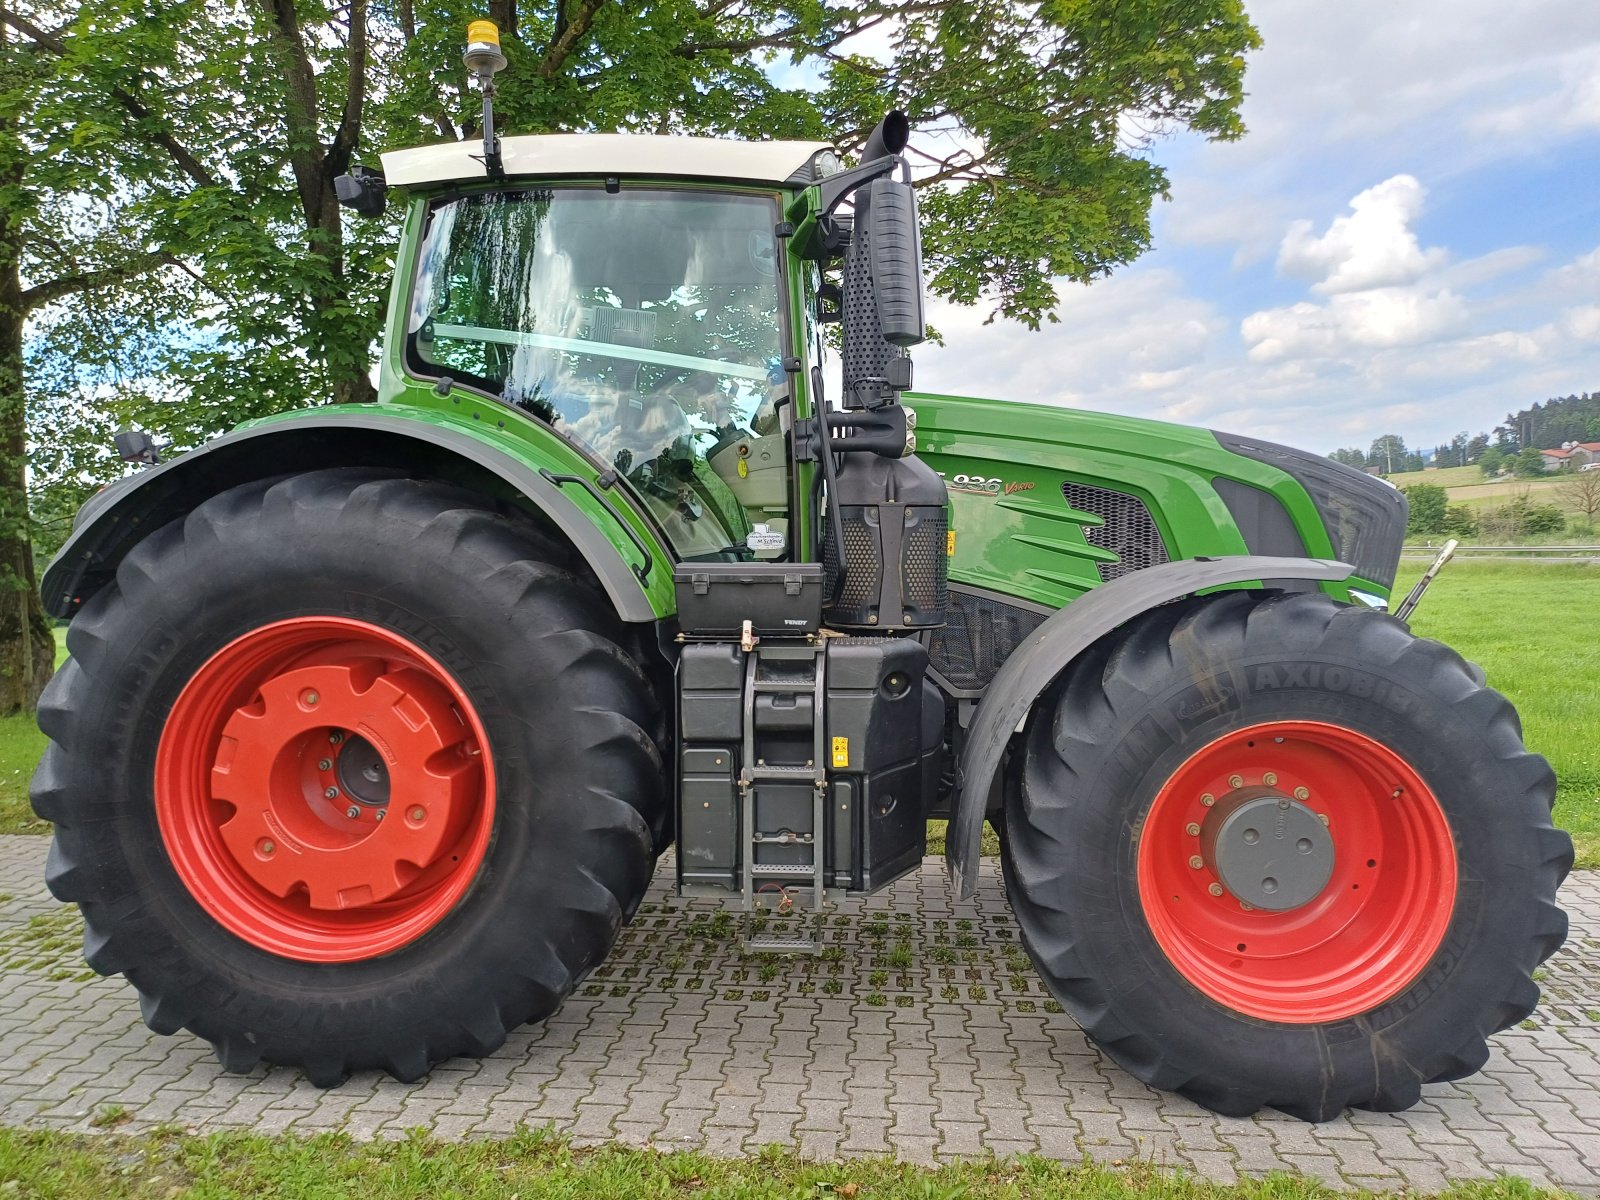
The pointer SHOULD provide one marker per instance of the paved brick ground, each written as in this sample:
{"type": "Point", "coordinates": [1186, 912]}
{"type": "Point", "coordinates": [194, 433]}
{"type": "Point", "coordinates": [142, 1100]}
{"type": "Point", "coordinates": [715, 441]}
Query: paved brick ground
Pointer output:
{"type": "Point", "coordinates": [924, 1034]}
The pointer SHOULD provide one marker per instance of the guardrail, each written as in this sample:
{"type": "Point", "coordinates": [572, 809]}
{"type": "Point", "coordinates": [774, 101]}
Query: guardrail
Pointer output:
{"type": "Point", "coordinates": [1564, 553]}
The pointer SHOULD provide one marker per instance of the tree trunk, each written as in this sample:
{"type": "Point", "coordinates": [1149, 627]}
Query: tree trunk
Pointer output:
{"type": "Point", "coordinates": [27, 646]}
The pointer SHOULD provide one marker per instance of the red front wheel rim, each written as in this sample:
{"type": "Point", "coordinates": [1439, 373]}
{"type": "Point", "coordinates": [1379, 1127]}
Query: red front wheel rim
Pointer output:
{"type": "Point", "coordinates": [1337, 946]}
{"type": "Point", "coordinates": [324, 790]}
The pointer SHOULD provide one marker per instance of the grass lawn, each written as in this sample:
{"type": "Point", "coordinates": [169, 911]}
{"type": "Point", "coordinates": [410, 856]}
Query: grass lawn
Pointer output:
{"type": "Point", "coordinates": [21, 744]}
{"type": "Point", "coordinates": [532, 1164]}
{"type": "Point", "coordinates": [1531, 626]}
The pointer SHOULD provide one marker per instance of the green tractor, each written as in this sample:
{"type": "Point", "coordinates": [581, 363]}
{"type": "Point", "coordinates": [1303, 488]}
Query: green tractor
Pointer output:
{"type": "Point", "coordinates": [378, 717]}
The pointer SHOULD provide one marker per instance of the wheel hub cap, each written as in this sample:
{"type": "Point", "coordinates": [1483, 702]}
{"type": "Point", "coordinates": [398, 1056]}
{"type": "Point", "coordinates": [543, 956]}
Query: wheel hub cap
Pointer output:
{"type": "Point", "coordinates": [1268, 850]}
{"type": "Point", "coordinates": [324, 790]}
{"type": "Point", "coordinates": [1297, 871]}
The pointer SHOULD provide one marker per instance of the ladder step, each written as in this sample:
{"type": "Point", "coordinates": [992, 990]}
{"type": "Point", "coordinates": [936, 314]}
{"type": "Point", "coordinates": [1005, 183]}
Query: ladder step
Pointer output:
{"type": "Point", "coordinates": [797, 772]}
{"type": "Point", "coordinates": [778, 945]}
{"type": "Point", "coordinates": [783, 870]}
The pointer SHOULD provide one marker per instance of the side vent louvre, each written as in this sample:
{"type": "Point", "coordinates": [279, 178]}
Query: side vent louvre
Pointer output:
{"type": "Point", "coordinates": [979, 635]}
{"type": "Point", "coordinates": [1129, 531]}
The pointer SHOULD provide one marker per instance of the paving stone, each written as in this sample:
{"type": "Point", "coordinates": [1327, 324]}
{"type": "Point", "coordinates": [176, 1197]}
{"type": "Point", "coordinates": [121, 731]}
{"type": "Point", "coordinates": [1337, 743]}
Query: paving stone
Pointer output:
{"type": "Point", "coordinates": [961, 1060]}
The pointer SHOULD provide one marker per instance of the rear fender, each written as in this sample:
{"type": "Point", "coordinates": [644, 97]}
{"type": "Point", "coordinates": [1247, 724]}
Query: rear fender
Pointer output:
{"type": "Point", "coordinates": [1044, 654]}
{"type": "Point", "coordinates": [635, 575]}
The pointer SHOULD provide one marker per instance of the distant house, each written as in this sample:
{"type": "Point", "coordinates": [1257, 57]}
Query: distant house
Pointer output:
{"type": "Point", "coordinates": [1571, 455]}
{"type": "Point", "coordinates": [1554, 460]}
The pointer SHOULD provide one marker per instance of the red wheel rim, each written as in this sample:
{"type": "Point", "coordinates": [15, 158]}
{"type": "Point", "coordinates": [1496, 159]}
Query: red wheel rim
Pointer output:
{"type": "Point", "coordinates": [1363, 936]}
{"type": "Point", "coordinates": [324, 789]}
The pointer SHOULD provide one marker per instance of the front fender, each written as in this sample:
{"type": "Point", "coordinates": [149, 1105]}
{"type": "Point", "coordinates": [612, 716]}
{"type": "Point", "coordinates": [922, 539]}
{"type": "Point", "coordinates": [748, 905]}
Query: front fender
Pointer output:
{"type": "Point", "coordinates": [631, 567]}
{"type": "Point", "coordinates": [1044, 654]}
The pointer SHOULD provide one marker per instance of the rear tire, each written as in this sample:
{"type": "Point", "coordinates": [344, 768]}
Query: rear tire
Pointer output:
{"type": "Point", "coordinates": [1143, 775]}
{"type": "Point", "coordinates": [198, 730]}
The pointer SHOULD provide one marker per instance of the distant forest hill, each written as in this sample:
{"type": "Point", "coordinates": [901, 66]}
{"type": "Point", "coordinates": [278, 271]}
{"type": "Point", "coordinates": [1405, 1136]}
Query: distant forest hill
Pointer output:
{"type": "Point", "coordinates": [1545, 426]}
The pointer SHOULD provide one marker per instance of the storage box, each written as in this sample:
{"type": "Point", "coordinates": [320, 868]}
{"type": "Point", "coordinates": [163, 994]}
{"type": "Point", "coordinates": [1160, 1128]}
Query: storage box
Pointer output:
{"type": "Point", "coordinates": [778, 599]}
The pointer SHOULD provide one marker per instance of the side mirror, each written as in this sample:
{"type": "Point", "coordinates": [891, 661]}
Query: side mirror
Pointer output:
{"type": "Point", "coordinates": [895, 244]}
{"type": "Point", "coordinates": [363, 190]}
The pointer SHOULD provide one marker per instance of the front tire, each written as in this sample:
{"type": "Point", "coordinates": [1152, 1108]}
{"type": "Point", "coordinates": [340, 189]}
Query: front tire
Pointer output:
{"type": "Point", "coordinates": [347, 773]}
{"type": "Point", "coordinates": [1277, 851]}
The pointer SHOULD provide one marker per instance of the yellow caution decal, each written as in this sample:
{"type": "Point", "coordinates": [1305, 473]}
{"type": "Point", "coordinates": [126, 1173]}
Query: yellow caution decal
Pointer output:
{"type": "Point", "coordinates": [950, 544]}
{"type": "Point", "coordinates": [841, 752]}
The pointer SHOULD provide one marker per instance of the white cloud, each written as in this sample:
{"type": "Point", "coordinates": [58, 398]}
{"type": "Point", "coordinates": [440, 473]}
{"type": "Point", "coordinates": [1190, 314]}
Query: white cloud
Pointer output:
{"type": "Point", "coordinates": [1374, 246]}
{"type": "Point", "coordinates": [1396, 316]}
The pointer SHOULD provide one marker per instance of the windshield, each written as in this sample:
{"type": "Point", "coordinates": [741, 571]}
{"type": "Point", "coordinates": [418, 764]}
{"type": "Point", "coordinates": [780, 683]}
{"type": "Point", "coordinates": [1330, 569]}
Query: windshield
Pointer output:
{"type": "Point", "coordinates": [644, 325]}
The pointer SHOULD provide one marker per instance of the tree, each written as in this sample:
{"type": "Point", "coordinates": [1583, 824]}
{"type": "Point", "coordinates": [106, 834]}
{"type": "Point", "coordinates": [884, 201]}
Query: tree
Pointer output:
{"type": "Point", "coordinates": [1477, 447]}
{"type": "Point", "coordinates": [1528, 464]}
{"type": "Point", "coordinates": [1388, 453]}
{"type": "Point", "coordinates": [217, 130]}
{"type": "Point", "coordinates": [1491, 461]}
{"type": "Point", "coordinates": [1429, 503]}
{"type": "Point", "coordinates": [1352, 457]}
{"type": "Point", "coordinates": [1582, 495]}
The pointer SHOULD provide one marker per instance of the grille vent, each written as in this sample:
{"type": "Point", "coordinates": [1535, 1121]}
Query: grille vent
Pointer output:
{"type": "Point", "coordinates": [927, 581]}
{"type": "Point", "coordinates": [978, 636]}
{"type": "Point", "coordinates": [1129, 531]}
{"type": "Point", "coordinates": [861, 561]}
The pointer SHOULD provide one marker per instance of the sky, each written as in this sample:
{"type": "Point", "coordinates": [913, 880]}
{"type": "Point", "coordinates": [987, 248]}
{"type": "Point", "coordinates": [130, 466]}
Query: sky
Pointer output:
{"type": "Point", "coordinates": [1406, 241]}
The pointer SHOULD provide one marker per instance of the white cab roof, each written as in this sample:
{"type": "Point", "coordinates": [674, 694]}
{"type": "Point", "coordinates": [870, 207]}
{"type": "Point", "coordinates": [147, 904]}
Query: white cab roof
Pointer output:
{"type": "Point", "coordinates": [622, 154]}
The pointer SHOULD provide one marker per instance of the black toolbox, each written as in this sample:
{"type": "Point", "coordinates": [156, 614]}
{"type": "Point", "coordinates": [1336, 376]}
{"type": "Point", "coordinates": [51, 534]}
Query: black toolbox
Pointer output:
{"type": "Point", "coordinates": [778, 599]}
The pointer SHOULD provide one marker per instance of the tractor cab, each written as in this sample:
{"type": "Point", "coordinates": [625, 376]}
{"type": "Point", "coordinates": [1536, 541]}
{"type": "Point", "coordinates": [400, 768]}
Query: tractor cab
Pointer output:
{"type": "Point", "coordinates": [656, 302]}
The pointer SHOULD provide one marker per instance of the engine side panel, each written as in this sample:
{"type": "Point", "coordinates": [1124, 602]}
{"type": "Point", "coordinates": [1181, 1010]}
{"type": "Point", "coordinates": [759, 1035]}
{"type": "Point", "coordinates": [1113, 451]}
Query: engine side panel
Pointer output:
{"type": "Point", "coordinates": [1048, 503]}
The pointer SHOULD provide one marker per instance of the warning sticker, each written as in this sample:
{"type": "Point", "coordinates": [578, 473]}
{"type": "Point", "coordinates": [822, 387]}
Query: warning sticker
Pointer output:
{"type": "Point", "coordinates": [841, 752]}
{"type": "Point", "coordinates": [950, 544]}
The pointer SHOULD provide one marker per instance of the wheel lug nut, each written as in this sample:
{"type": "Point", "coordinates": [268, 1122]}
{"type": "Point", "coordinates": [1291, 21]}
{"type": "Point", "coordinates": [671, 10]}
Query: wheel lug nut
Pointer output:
{"type": "Point", "coordinates": [1301, 793]}
{"type": "Point", "coordinates": [1236, 781]}
{"type": "Point", "coordinates": [266, 846]}
{"type": "Point", "coordinates": [1270, 778]}
{"type": "Point", "coordinates": [1196, 861]}
{"type": "Point", "coordinates": [324, 764]}
{"type": "Point", "coordinates": [417, 814]}
{"type": "Point", "coordinates": [1208, 799]}
{"type": "Point", "coordinates": [1192, 829]}
{"type": "Point", "coordinates": [378, 816]}
{"type": "Point", "coordinates": [309, 698]}
{"type": "Point", "coordinates": [1215, 889]}
{"type": "Point", "coordinates": [1323, 817]}
{"type": "Point", "coordinates": [335, 738]}
{"type": "Point", "coordinates": [1247, 906]}
{"type": "Point", "coordinates": [352, 812]}
{"type": "Point", "coordinates": [331, 793]}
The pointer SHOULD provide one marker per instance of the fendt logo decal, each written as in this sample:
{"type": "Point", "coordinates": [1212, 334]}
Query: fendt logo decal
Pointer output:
{"type": "Point", "coordinates": [985, 485]}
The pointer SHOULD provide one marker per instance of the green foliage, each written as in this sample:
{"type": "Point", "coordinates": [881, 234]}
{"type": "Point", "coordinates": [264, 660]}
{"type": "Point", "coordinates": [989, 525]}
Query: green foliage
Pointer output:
{"type": "Point", "coordinates": [1389, 454]}
{"type": "Point", "coordinates": [538, 1162]}
{"type": "Point", "coordinates": [1491, 461]}
{"type": "Point", "coordinates": [1354, 456]}
{"type": "Point", "coordinates": [1428, 508]}
{"type": "Point", "coordinates": [1528, 463]}
{"type": "Point", "coordinates": [1520, 517]}
{"type": "Point", "coordinates": [1549, 423]}
{"type": "Point", "coordinates": [228, 285]}
{"type": "Point", "coordinates": [1460, 521]}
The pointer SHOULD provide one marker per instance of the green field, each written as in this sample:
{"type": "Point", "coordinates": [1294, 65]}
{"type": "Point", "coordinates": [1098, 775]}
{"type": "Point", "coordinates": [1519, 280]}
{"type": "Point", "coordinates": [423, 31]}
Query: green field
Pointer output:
{"type": "Point", "coordinates": [1470, 486]}
{"type": "Point", "coordinates": [1530, 627]}
{"type": "Point", "coordinates": [535, 1164]}
{"type": "Point", "coordinates": [1529, 624]}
